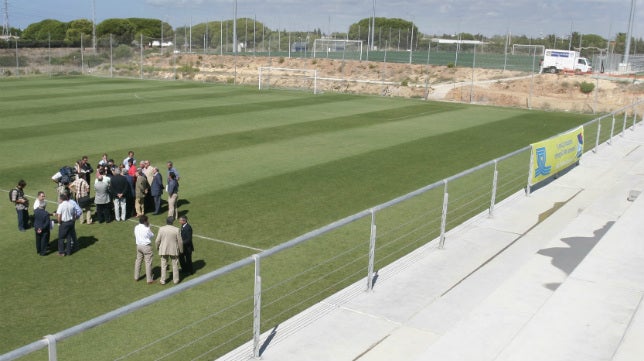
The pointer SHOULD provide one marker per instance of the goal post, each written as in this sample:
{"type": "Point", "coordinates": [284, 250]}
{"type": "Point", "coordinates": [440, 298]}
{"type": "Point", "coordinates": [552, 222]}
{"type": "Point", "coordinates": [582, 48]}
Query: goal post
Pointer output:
{"type": "Point", "coordinates": [290, 78]}
{"type": "Point", "coordinates": [337, 48]}
{"type": "Point", "coordinates": [522, 49]}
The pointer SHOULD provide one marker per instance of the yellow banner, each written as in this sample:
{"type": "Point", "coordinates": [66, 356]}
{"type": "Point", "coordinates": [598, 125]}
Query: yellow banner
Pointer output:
{"type": "Point", "coordinates": [555, 154]}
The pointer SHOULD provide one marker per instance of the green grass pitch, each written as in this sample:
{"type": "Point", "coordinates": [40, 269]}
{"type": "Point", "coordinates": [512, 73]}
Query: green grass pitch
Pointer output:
{"type": "Point", "coordinates": [257, 169]}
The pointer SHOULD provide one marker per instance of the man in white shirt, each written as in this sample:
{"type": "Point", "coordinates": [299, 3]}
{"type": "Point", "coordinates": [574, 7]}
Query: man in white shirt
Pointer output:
{"type": "Point", "coordinates": [130, 155]}
{"type": "Point", "coordinates": [143, 236]}
{"type": "Point", "coordinates": [66, 215]}
{"type": "Point", "coordinates": [40, 201]}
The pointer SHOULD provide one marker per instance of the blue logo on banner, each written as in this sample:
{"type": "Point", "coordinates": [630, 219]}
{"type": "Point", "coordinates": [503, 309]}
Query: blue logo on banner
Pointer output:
{"type": "Point", "coordinates": [542, 169]}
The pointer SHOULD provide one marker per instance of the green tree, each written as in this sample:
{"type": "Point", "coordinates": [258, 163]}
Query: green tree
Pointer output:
{"type": "Point", "coordinates": [44, 29]}
{"type": "Point", "coordinates": [122, 30]}
{"type": "Point", "coordinates": [74, 30]}
{"type": "Point", "coordinates": [151, 28]}
{"type": "Point", "coordinates": [387, 31]}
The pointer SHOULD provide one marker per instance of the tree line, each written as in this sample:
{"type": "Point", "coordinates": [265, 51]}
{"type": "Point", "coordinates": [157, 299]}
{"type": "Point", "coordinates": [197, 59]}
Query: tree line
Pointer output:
{"type": "Point", "coordinates": [388, 33]}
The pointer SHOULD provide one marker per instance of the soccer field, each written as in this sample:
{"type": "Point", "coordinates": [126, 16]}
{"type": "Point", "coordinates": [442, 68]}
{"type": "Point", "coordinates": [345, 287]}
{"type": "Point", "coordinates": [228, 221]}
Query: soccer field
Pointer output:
{"type": "Point", "coordinates": [257, 169]}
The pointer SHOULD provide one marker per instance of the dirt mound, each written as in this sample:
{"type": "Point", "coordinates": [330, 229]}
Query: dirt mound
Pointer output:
{"type": "Point", "coordinates": [481, 86]}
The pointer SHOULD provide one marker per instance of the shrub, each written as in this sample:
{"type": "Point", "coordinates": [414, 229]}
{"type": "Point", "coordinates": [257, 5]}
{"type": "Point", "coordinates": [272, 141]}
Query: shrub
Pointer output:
{"type": "Point", "coordinates": [586, 87]}
{"type": "Point", "coordinates": [450, 65]}
{"type": "Point", "coordinates": [281, 60]}
{"type": "Point", "coordinates": [123, 52]}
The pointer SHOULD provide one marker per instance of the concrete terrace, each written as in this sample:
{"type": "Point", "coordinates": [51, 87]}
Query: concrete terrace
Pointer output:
{"type": "Point", "coordinates": [557, 275]}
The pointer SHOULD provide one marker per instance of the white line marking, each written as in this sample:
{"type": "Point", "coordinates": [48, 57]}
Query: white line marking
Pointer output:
{"type": "Point", "coordinates": [152, 225]}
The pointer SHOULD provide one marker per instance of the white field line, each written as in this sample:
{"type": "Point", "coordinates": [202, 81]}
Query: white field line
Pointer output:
{"type": "Point", "coordinates": [152, 225]}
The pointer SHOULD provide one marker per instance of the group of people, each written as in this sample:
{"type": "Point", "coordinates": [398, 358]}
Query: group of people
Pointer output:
{"type": "Point", "coordinates": [66, 214]}
{"type": "Point", "coordinates": [122, 189]}
{"type": "Point", "coordinates": [174, 245]}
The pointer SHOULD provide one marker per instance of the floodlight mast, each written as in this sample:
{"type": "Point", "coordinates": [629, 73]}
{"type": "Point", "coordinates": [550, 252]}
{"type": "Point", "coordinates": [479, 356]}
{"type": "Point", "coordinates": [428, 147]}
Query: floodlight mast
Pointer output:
{"type": "Point", "coordinates": [627, 50]}
{"type": "Point", "coordinates": [373, 26]}
{"type": "Point", "coordinates": [5, 25]}
{"type": "Point", "coordinates": [235, 41]}
{"type": "Point", "coordinates": [93, 25]}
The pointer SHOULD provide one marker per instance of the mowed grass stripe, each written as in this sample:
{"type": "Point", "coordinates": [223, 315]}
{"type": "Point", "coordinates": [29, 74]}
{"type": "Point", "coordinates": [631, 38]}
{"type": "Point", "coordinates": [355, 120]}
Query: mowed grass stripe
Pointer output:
{"type": "Point", "coordinates": [166, 115]}
{"type": "Point", "coordinates": [273, 209]}
{"type": "Point", "coordinates": [114, 98]}
{"type": "Point", "coordinates": [238, 165]}
{"type": "Point", "coordinates": [79, 86]}
{"type": "Point", "coordinates": [418, 114]}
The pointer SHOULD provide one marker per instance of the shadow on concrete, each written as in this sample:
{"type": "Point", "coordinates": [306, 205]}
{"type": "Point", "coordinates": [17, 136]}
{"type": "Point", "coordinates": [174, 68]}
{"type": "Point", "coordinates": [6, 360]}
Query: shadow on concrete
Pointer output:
{"type": "Point", "coordinates": [568, 258]}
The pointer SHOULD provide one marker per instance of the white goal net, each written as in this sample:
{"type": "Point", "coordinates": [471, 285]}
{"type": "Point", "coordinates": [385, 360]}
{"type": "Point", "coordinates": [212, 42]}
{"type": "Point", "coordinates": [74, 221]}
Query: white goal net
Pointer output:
{"type": "Point", "coordinates": [337, 48]}
{"type": "Point", "coordinates": [287, 78]}
{"type": "Point", "coordinates": [522, 49]}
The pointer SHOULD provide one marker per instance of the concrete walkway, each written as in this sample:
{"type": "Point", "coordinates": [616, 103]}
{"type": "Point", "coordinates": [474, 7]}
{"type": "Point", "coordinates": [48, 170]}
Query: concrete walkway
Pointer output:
{"type": "Point", "coordinates": [518, 286]}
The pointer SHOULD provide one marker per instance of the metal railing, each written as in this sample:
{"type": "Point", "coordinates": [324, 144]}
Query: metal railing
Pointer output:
{"type": "Point", "coordinates": [289, 278]}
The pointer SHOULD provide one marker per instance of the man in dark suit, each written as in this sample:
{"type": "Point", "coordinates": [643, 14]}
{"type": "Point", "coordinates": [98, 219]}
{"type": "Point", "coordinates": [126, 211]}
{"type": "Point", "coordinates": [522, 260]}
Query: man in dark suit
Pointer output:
{"type": "Point", "coordinates": [120, 189]}
{"type": "Point", "coordinates": [42, 226]}
{"type": "Point", "coordinates": [185, 259]}
{"type": "Point", "coordinates": [156, 190]}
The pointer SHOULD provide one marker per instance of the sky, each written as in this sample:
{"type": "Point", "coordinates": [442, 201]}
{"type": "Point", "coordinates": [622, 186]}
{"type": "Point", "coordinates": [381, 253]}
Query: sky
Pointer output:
{"type": "Point", "coordinates": [533, 18]}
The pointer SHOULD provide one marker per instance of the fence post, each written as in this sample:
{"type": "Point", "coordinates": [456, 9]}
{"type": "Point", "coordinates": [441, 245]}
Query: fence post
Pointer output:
{"type": "Point", "coordinates": [612, 131]}
{"type": "Point", "coordinates": [623, 125]}
{"type": "Point", "coordinates": [634, 119]}
{"type": "Point", "coordinates": [372, 251]}
{"type": "Point", "coordinates": [441, 244]}
{"type": "Point", "coordinates": [599, 130]}
{"type": "Point", "coordinates": [51, 341]}
{"type": "Point", "coordinates": [530, 166]}
{"type": "Point", "coordinates": [494, 185]}
{"type": "Point", "coordinates": [257, 309]}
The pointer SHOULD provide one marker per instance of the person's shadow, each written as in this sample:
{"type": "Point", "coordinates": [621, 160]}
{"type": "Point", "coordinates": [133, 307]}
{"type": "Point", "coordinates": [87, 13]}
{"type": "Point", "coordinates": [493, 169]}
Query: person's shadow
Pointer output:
{"type": "Point", "coordinates": [81, 243]}
{"type": "Point", "coordinates": [84, 242]}
{"type": "Point", "coordinates": [568, 258]}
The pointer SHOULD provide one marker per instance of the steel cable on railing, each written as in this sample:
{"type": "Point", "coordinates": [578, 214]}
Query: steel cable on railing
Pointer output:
{"type": "Point", "coordinates": [335, 270]}
{"type": "Point", "coordinates": [188, 326]}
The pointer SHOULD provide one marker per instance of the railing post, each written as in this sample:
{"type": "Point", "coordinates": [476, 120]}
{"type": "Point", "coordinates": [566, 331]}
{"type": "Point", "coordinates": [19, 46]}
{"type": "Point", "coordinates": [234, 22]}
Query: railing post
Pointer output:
{"type": "Point", "coordinates": [51, 341]}
{"type": "Point", "coordinates": [599, 130]}
{"type": "Point", "coordinates": [634, 119]}
{"type": "Point", "coordinates": [372, 251]}
{"type": "Point", "coordinates": [623, 125]}
{"type": "Point", "coordinates": [530, 166]}
{"type": "Point", "coordinates": [612, 131]}
{"type": "Point", "coordinates": [494, 185]}
{"type": "Point", "coordinates": [441, 244]}
{"type": "Point", "coordinates": [257, 309]}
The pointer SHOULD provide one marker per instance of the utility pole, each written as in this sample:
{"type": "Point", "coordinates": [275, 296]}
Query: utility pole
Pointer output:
{"type": "Point", "coordinates": [5, 24]}
{"type": "Point", "coordinates": [93, 25]}
{"type": "Point", "coordinates": [373, 25]}
{"type": "Point", "coordinates": [627, 50]}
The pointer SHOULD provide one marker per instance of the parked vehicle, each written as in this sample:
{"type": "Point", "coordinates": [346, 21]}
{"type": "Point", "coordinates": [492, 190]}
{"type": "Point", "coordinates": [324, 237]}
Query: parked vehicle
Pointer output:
{"type": "Point", "coordinates": [555, 61]}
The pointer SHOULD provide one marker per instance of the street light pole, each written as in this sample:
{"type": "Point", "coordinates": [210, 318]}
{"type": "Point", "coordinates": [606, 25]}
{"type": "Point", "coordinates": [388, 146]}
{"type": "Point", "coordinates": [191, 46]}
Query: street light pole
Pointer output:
{"type": "Point", "coordinates": [235, 40]}
{"type": "Point", "coordinates": [627, 50]}
{"type": "Point", "coordinates": [373, 25]}
{"type": "Point", "coordinates": [94, 25]}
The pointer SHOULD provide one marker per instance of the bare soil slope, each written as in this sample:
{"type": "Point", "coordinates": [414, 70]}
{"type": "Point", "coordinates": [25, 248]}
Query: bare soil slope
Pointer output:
{"type": "Point", "coordinates": [481, 86]}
